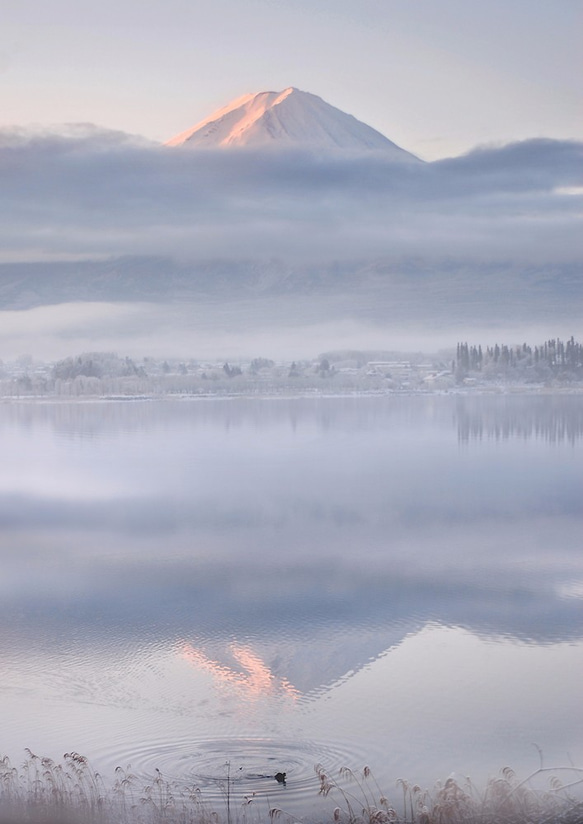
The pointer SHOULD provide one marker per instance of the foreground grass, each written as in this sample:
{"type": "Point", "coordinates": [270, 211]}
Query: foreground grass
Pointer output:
{"type": "Point", "coordinates": [42, 791]}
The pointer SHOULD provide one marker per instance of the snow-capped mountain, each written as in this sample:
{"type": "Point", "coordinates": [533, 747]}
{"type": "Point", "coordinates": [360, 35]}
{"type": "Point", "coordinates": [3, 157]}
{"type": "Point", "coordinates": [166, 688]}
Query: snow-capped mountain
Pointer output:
{"type": "Point", "coordinates": [290, 118]}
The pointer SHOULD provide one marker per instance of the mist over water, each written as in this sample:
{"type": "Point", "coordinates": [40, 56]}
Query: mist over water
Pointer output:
{"type": "Point", "coordinates": [290, 327]}
{"type": "Point", "coordinates": [391, 581]}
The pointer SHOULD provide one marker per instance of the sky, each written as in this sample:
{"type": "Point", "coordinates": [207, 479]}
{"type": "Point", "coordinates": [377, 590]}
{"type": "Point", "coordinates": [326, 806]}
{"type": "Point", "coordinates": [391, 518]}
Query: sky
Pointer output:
{"type": "Point", "coordinates": [437, 78]}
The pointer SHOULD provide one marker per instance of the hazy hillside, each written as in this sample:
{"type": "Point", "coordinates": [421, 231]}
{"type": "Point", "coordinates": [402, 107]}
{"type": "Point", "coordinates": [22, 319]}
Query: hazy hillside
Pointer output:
{"type": "Point", "coordinates": [404, 289]}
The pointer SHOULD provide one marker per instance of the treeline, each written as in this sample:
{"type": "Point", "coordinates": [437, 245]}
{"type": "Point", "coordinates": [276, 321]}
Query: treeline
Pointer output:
{"type": "Point", "coordinates": [553, 363]}
{"type": "Point", "coordinates": [96, 365]}
{"type": "Point", "coordinates": [553, 358]}
{"type": "Point", "coordinates": [107, 374]}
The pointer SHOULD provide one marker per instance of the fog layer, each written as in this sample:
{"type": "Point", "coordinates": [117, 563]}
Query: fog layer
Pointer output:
{"type": "Point", "coordinates": [90, 192]}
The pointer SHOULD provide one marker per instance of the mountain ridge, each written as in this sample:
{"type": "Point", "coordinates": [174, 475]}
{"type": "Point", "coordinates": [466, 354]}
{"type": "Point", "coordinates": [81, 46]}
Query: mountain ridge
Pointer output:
{"type": "Point", "coordinates": [289, 118]}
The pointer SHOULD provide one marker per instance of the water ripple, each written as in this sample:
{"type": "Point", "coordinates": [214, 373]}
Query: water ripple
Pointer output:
{"type": "Point", "coordinates": [245, 766]}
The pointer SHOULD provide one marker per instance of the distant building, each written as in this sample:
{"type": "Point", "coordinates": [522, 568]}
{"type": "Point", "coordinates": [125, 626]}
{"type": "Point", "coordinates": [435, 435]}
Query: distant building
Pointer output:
{"type": "Point", "coordinates": [393, 369]}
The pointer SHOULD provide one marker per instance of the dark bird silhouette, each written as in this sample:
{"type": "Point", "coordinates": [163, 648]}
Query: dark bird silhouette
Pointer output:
{"type": "Point", "coordinates": [280, 777]}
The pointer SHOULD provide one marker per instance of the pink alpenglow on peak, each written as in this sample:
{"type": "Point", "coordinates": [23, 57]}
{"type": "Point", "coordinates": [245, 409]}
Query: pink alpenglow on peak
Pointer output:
{"type": "Point", "coordinates": [286, 119]}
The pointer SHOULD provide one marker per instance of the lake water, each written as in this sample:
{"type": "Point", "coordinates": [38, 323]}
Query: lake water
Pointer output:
{"type": "Point", "coordinates": [385, 581]}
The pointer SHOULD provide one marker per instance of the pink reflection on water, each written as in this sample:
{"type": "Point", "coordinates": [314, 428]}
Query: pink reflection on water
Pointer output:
{"type": "Point", "coordinates": [257, 681]}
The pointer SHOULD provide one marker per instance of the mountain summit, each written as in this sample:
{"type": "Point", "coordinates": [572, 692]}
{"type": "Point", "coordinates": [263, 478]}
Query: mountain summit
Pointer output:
{"type": "Point", "coordinates": [286, 119]}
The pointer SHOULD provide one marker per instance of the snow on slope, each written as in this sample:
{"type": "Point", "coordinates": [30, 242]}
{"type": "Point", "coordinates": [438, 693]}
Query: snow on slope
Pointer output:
{"type": "Point", "coordinates": [287, 119]}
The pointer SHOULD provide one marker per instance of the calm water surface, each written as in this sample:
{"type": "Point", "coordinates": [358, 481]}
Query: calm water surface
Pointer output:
{"type": "Point", "coordinates": [395, 582]}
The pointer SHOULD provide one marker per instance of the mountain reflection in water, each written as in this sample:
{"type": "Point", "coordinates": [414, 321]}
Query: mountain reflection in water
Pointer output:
{"type": "Point", "coordinates": [330, 572]}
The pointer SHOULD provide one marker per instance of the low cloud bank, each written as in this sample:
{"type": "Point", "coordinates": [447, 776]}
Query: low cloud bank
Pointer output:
{"type": "Point", "coordinates": [88, 192]}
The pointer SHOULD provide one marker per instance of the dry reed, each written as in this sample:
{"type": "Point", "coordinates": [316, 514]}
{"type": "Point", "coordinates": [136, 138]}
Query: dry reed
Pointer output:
{"type": "Point", "coordinates": [42, 791]}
